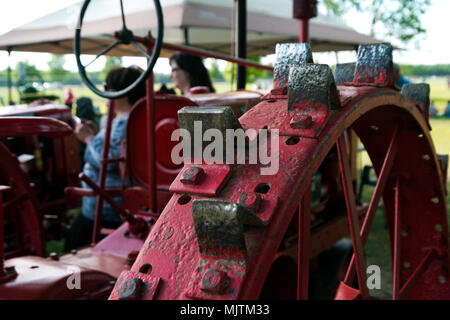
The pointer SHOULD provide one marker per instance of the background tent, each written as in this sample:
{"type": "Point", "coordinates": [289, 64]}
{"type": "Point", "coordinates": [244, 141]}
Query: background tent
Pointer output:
{"type": "Point", "coordinates": [199, 23]}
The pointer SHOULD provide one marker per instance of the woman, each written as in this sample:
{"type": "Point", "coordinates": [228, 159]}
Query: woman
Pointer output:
{"type": "Point", "coordinates": [117, 79]}
{"type": "Point", "coordinates": [188, 72]}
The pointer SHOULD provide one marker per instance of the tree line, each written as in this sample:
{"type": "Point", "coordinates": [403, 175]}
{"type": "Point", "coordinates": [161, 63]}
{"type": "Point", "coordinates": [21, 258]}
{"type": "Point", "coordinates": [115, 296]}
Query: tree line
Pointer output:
{"type": "Point", "coordinates": [425, 70]}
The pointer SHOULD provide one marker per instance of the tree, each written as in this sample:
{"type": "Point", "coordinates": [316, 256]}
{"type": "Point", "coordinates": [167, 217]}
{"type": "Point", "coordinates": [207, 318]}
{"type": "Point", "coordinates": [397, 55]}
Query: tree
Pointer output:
{"type": "Point", "coordinates": [215, 72]}
{"type": "Point", "coordinates": [26, 72]}
{"type": "Point", "coordinates": [56, 68]}
{"type": "Point", "coordinates": [110, 63]}
{"type": "Point", "coordinates": [253, 74]}
{"type": "Point", "coordinates": [399, 19]}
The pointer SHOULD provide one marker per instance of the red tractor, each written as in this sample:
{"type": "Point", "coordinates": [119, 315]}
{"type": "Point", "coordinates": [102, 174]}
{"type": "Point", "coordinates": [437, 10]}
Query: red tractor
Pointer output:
{"type": "Point", "coordinates": [227, 231]}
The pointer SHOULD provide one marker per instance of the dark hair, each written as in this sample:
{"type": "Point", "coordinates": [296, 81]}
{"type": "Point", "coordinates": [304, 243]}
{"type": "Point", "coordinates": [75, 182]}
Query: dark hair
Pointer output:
{"type": "Point", "coordinates": [85, 109]}
{"type": "Point", "coordinates": [193, 65]}
{"type": "Point", "coordinates": [119, 78]}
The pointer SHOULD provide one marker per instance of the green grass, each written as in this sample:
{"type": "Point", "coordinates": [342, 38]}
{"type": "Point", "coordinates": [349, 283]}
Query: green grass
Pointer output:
{"type": "Point", "coordinates": [439, 92]}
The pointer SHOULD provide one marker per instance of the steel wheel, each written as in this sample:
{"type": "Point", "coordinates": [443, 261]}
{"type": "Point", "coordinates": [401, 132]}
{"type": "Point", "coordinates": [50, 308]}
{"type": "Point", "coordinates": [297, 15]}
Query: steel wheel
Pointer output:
{"type": "Point", "coordinates": [224, 237]}
{"type": "Point", "coordinates": [23, 226]}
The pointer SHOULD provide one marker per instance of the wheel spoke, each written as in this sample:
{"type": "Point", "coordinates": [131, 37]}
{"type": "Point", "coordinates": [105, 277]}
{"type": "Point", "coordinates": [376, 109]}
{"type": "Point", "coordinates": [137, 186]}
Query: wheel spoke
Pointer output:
{"type": "Point", "coordinates": [104, 52]}
{"type": "Point", "coordinates": [13, 202]}
{"type": "Point", "coordinates": [123, 15]}
{"type": "Point", "coordinates": [352, 215]}
{"type": "Point", "coordinates": [397, 248]}
{"type": "Point", "coordinates": [304, 245]}
{"type": "Point", "coordinates": [140, 49]}
{"type": "Point", "coordinates": [379, 188]}
{"type": "Point", "coordinates": [421, 268]}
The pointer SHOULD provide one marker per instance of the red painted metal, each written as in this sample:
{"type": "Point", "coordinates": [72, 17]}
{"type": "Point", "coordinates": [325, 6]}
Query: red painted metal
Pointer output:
{"type": "Point", "coordinates": [353, 219]}
{"type": "Point", "coordinates": [397, 247]}
{"type": "Point", "coordinates": [210, 185]}
{"type": "Point", "coordinates": [304, 246]}
{"type": "Point", "coordinates": [202, 53]}
{"type": "Point", "coordinates": [102, 175]}
{"type": "Point", "coordinates": [379, 188]}
{"type": "Point", "coordinates": [21, 126]}
{"type": "Point", "coordinates": [151, 143]}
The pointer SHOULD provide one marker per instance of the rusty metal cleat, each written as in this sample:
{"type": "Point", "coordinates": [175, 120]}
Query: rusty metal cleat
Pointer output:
{"type": "Point", "coordinates": [343, 73]}
{"type": "Point", "coordinates": [374, 66]}
{"type": "Point", "coordinates": [288, 54]}
{"type": "Point", "coordinates": [419, 93]}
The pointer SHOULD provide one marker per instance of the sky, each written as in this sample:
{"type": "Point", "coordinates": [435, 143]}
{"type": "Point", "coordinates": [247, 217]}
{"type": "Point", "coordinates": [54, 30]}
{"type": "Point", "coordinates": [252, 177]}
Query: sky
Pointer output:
{"type": "Point", "coordinates": [434, 48]}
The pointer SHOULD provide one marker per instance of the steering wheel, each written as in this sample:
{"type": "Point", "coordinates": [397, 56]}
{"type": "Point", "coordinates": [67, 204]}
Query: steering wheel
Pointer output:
{"type": "Point", "coordinates": [126, 37]}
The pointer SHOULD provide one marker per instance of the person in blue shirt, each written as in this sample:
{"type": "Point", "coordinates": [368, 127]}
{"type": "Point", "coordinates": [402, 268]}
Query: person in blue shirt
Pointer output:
{"type": "Point", "coordinates": [80, 232]}
{"type": "Point", "coordinates": [447, 110]}
{"type": "Point", "coordinates": [400, 80]}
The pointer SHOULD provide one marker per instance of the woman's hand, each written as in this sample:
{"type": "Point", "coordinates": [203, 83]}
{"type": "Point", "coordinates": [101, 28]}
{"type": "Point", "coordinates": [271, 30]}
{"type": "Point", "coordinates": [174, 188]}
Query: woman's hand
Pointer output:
{"type": "Point", "coordinates": [85, 130]}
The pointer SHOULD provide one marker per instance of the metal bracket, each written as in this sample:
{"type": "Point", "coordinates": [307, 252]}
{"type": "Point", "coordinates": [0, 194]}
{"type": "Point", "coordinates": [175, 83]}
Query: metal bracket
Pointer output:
{"type": "Point", "coordinates": [201, 179]}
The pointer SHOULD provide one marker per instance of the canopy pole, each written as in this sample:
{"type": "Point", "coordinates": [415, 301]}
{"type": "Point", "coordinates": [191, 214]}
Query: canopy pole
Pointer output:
{"type": "Point", "coordinates": [241, 42]}
{"type": "Point", "coordinates": [304, 10]}
{"type": "Point", "coordinates": [9, 76]}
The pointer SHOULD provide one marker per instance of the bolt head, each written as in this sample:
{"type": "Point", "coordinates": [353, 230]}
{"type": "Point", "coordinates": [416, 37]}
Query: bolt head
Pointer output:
{"type": "Point", "coordinates": [214, 281]}
{"type": "Point", "coordinates": [54, 256]}
{"type": "Point", "coordinates": [301, 122]}
{"type": "Point", "coordinates": [251, 201]}
{"type": "Point", "coordinates": [192, 175]}
{"type": "Point", "coordinates": [130, 289]}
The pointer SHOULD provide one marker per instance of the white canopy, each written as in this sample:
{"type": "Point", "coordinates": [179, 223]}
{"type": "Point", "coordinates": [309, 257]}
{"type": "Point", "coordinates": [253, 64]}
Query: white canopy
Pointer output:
{"type": "Point", "coordinates": [202, 23]}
